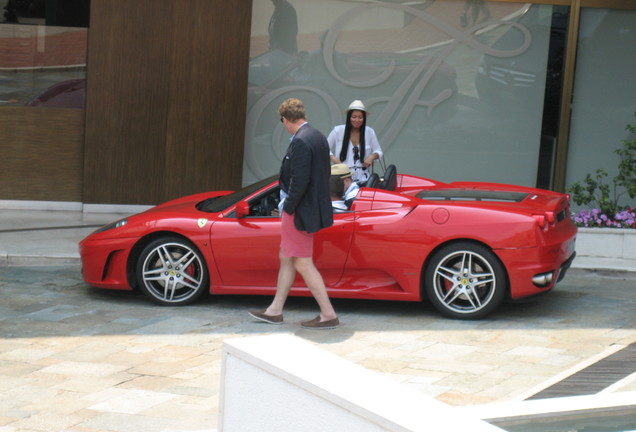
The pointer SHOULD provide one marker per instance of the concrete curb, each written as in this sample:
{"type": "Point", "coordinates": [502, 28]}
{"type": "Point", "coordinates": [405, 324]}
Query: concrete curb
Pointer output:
{"type": "Point", "coordinates": [10, 260]}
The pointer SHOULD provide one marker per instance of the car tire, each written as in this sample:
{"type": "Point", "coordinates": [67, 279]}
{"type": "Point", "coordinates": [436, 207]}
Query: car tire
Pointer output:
{"type": "Point", "coordinates": [171, 271]}
{"type": "Point", "coordinates": [465, 281]}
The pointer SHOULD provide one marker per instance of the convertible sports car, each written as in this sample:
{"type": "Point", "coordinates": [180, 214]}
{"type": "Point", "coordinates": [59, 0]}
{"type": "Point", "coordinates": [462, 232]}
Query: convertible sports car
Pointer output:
{"type": "Point", "coordinates": [463, 246]}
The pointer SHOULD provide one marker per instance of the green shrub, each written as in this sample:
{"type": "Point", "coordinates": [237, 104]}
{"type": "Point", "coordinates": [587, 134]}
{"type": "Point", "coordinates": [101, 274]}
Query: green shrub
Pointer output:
{"type": "Point", "coordinates": [596, 192]}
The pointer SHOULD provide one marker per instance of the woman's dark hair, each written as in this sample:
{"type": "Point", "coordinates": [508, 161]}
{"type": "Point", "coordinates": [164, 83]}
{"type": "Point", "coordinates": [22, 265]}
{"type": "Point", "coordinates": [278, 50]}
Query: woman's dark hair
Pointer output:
{"type": "Point", "coordinates": [347, 135]}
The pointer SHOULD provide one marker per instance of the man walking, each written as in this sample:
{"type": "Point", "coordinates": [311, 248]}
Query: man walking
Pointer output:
{"type": "Point", "coordinates": [305, 209]}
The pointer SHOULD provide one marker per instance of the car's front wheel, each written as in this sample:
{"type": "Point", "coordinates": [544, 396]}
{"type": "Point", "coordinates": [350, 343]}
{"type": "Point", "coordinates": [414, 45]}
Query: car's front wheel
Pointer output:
{"type": "Point", "coordinates": [171, 271]}
{"type": "Point", "coordinates": [465, 280]}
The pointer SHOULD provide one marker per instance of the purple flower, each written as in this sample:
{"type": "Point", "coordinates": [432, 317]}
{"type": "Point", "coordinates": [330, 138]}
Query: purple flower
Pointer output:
{"type": "Point", "coordinates": [595, 218]}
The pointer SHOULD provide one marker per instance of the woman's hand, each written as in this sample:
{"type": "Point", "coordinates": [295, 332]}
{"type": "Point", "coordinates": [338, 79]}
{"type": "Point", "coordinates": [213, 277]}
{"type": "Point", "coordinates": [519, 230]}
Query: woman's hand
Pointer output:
{"type": "Point", "coordinates": [369, 160]}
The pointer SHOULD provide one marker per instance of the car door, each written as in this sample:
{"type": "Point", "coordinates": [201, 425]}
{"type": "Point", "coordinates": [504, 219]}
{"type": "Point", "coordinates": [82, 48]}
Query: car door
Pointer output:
{"type": "Point", "coordinates": [385, 255]}
{"type": "Point", "coordinates": [246, 249]}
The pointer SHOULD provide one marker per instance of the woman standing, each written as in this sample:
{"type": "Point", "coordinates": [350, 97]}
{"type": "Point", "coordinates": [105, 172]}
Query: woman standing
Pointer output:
{"type": "Point", "coordinates": [354, 143]}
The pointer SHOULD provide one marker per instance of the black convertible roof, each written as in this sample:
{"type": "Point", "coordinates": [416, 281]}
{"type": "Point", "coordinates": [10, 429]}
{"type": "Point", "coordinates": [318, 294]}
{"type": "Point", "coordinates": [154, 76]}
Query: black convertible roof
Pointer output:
{"type": "Point", "coordinates": [471, 195]}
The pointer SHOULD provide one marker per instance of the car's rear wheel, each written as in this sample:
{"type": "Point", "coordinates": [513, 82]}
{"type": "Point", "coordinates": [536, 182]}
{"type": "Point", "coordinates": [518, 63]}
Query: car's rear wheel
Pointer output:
{"type": "Point", "coordinates": [171, 271]}
{"type": "Point", "coordinates": [465, 280]}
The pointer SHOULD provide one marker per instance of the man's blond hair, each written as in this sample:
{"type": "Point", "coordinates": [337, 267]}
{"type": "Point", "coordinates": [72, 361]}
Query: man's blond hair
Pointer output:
{"type": "Point", "coordinates": [292, 109]}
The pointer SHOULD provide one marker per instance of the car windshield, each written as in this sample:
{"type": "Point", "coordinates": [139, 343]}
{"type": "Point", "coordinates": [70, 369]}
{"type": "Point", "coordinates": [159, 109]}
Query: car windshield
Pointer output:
{"type": "Point", "coordinates": [214, 205]}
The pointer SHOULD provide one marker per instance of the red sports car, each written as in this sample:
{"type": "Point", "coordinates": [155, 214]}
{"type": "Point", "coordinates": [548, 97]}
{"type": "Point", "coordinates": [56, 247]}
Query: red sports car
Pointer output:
{"type": "Point", "coordinates": [463, 246]}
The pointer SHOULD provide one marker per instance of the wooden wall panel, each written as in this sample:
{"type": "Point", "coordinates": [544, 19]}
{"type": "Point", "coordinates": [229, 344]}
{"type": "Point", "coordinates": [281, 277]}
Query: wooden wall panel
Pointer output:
{"type": "Point", "coordinates": [167, 83]}
{"type": "Point", "coordinates": [129, 49]}
{"type": "Point", "coordinates": [208, 96]}
{"type": "Point", "coordinates": [42, 154]}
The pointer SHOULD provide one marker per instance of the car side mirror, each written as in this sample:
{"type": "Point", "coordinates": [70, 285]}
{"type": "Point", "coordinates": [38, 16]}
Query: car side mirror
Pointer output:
{"type": "Point", "coordinates": [242, 209]}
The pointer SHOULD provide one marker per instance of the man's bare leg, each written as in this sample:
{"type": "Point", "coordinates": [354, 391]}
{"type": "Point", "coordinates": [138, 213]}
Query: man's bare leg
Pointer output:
{"type": "Point", "coordinates": [315, 283]}
{"type": "Point", "coordinates": [286, 276]}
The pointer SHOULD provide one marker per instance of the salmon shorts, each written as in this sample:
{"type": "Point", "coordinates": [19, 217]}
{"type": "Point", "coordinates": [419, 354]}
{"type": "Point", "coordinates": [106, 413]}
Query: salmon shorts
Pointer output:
{"type": "Point", "coordinates": [293, 242]}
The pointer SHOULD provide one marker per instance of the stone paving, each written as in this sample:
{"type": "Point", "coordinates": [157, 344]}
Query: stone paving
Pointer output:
{"type": "Point", "coordinates": [76, 358]}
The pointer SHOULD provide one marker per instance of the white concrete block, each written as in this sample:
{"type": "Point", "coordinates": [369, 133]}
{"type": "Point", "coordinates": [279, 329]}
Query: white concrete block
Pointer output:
{"type": "Point", "coordinates": [282, 383]}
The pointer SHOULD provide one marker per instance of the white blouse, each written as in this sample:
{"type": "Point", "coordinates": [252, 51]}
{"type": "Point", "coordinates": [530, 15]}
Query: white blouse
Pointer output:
{"type": "Point", "coordinates": [371, 145]}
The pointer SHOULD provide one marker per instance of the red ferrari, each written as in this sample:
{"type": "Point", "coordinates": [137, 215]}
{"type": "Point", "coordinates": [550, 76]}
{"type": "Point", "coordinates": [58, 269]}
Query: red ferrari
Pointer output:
{"type": "Point", "coordinates": [466, 247]}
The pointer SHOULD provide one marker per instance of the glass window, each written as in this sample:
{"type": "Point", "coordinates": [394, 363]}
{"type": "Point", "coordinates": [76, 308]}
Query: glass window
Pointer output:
{"type": "Point", "coordinates": [604, 95]}
{"type": "Point", "coordinates": [455, 89]}
{"type": "Point", "coordinates": [43, 53]}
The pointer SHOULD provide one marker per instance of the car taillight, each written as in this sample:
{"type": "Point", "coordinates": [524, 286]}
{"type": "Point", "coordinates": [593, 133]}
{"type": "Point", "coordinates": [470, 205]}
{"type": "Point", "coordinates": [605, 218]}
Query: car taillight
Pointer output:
{"type": "Point", "coordinates": [540, 220]}
{"type": "Point", "coordinates": [550, 217]}
{"type": "Point", "coordinates": [544, 220]}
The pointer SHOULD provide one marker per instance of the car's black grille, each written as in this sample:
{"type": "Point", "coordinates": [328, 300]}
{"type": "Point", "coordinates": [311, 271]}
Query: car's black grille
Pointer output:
{"type": "Point", "coordinates": [561, 215]}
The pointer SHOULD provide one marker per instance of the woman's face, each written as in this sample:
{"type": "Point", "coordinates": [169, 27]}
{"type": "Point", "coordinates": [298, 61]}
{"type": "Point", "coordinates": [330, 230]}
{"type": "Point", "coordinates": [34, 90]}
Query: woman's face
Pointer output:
{"type": "Point", "coordinates": [357, 118]}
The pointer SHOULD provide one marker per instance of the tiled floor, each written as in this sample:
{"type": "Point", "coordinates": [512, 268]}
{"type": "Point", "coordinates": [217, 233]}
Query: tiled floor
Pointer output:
{"type": "Point", "coordinates": [75, 358]}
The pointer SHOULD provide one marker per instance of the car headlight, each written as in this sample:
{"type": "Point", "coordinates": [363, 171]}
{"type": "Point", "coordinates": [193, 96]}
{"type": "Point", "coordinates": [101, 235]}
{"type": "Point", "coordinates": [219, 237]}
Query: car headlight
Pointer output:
{"type": "Point", "coordinates": [118, 224]}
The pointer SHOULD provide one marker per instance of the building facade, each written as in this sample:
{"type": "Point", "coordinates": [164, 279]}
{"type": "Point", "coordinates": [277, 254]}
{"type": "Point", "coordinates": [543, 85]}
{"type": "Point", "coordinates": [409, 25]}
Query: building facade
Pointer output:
{"type": "Point", "coordinates": [138, 102]}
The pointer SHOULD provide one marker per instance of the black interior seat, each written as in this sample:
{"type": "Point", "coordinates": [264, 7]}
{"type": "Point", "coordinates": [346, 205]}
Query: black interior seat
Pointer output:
{"type": "Point", "coordinates": [373, 181]}
{"type": "Point", "coordinates": [389, 181]}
